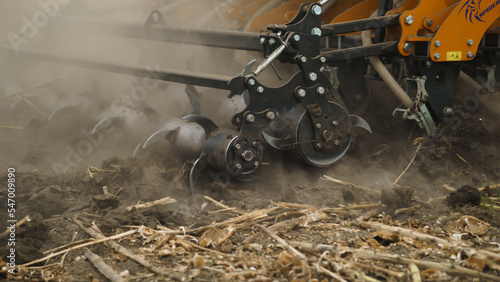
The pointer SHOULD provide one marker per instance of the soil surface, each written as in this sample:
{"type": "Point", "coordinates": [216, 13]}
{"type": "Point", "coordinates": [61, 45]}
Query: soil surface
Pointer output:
{"type": "Point", "coordinates": [338, 230]}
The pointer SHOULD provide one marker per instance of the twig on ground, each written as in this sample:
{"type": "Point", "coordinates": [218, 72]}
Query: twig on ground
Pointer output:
{"type": "Point", "coordinates": [407, 167]}
{"type": "Point", "coordinates": [119, 248]}
{"type": "Point", "coordinates": [298, 255]}
{"type": "Point", "coordinates": [224, 206]}
{"type": "Point", "coordinates": [337, 181]}
{"type": "Point", "coordinates": [163, 201]}
{"type": "Point", "coordinates": [18, 224]}
{"type": "Point", "coordinates": [104, 268]}
{"type": "Point", "coordinates": [398, 275]}
{"type": "Point", "coordinates": [101, 240]}
{"type": "Point", "coordinates": [331, 274]}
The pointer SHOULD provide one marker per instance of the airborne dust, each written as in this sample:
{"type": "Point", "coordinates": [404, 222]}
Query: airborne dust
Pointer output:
{"type": "Point", "coordinates": [47, 111]}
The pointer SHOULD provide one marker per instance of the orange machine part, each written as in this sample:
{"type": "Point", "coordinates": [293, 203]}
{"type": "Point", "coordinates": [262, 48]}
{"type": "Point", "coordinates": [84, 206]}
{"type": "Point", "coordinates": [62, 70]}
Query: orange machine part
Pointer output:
{"type": "Point", "coordinates": [459, 36]}
{"type": "Point", "coordinates": [414, 26]}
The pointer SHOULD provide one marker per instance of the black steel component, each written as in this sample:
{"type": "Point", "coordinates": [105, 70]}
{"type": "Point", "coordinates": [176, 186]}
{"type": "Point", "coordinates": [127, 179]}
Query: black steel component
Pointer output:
{"type": "Point", "coordinates": [383, 7]}
{"type": "Point", "coordinates": [360, 52]}
{"type": "Point", "coordinates": [360, 25]}
{"type": "Point", "coordinates": [185, 77]}
{"type": "Point", "coordinates": [156, 31]}
{"type": "Point", "coordinates": [440, 83]}
{"type": "Point", "coordinates": [353, 90]}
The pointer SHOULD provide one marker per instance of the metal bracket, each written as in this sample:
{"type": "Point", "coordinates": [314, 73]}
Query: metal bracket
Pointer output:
{"type": "Point", "coordinates": [486, 77]}
{"type": "Point", "coordinates": [419, 111]}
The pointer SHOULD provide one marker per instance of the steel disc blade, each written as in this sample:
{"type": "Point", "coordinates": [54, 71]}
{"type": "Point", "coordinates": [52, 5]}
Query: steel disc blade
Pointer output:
{"type": "Point", "coordinates": [307, 143]}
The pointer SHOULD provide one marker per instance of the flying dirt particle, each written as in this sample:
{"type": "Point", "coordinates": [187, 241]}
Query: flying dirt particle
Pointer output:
{"type": "Point", "coordinates": [465, 195]}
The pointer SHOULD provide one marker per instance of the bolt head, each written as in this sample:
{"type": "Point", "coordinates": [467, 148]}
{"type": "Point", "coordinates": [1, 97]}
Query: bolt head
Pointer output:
{"type": "Point", "coordinates": [335, 123]}
{"type": "Point", "coordinates": [407, 47]}
{"type": "Point", "coordinates": [409, 19]}
{"type": "Point", "coordinates": [296, 37]}
{"type": "Point", "coordinates": [429, 22]}
{"type": "Point", "coordinates": [251, 82]}
{"type": "Point", "coordinates": [262, 40]}
{"type": "Point", "coordinates": [260, 89]}
{"type": "Point", "coordinates": [312, 76]}
{"type": "Point", "coordinates": [237, 146]}
{"type": "Point", "coordinates": [448, 111]}
{"type": "Point", "coordinates": [319, 145]}
{"type": "Point", "coordinates": [470, 42]}
{"type": "Point", "coordinates": [272, 41]}
{"type": "Point", "coordinates": [301, 93]}
{"type": "Point", "coordinates": [320, 90]}
{"type": "Point", "coordinates": [470, 54]}
{"type": "Point", "coordinates": [316, 31]}
{"type": "Point", "coordinates": [322, 59]}
{"type": "Point", "coordinates": [317, 10]}
{"type": "Point", "coordinates": [256, 164]}
{"type": "Point", "coordinates": [247, 155]}
{"type": "Point", "coordinates": [437, 43]}
{"type": "Point", "coordinates": [437, 56]}
{"type": "Point", "coordinates": [428, 64]}
{"type": "Point", "coordinates": [250, 118]}
{"type": "Point", "coordinates": [336, 143]}
{"type": "Point", "coordinates": [270, 115]}
{"type": "Point", "coordinates": [238, 166]}
{"type": "Point", "coordinates": [303, 59]}
{"type": "Point", "coordinates": [318, 125]}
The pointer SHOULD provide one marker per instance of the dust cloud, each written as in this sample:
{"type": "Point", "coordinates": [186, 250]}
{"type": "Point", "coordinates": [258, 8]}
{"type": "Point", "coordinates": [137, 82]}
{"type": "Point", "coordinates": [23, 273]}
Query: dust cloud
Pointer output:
{"type": "Point", "coordinates": [47, 128]}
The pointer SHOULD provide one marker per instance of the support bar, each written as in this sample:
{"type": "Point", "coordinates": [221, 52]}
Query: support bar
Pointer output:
{"type": "Point", "coordinates": [179, 76]}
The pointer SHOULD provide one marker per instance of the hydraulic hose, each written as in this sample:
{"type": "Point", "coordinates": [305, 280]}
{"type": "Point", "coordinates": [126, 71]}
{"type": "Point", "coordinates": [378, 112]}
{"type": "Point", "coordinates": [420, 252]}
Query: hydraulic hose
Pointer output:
{"type": "Point", "coordinates": [384, 73]}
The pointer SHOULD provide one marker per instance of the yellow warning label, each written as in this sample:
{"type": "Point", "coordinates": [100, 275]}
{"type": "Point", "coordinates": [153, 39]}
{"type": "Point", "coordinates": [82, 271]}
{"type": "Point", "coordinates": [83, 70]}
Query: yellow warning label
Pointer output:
{"type": "Point", "coordinates": [454, 56]}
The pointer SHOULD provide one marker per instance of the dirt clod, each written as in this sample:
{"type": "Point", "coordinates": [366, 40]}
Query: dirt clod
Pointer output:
{"type": "Point", "coordinates": [465, 195]}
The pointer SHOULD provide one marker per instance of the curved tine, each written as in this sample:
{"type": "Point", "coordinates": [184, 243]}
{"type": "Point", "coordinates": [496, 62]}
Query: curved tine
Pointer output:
{"type": "Point", "coordinates": [195, 104]}
{"type": "Point", "coordinates": [207, 125]}
{"type": "Point", "coordinates": [198, 167]}
{"type": "Point", "coordinates": [103, 124]}
{"type": "Point", "coordinates": [137, 149]}
{"type": "Point", "coordinates": [159, 136]}
{"type": "Point", "coordinates": [248, 68]}
{"type": "Point", "coordinates": [276, 143]}
{"type": "Point", "coordinates": [64, 110]}
{"type": "Point", "coordinates": [360, 122]}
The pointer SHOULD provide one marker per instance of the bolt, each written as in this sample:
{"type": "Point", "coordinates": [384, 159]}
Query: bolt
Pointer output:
{"type": "Point", "coordinates": [429, 22]}
{"type": "Point", "coordinates": [247, 155]}
{"type": "Point", "coordinates": [448, 111]}
{"type": "Point", "coordinates": [251, 82]}
{"type": "Point", "coordinates": [272, 41]}
{"type": "Point", "coordinates": [322, 59]}
{"type": "Point", "coordinates": [237, 146]}
{"type": "Point", "coordinates": [238, 120]}
{"type": "Point", "coordinates": [409, 19]}
{"type": "Point", "coordinates": [316, 31]}
{"type": "Point", "coordinates": [335, 123]}
{"type": "Point", "coordinates": [470, 54]}
{"type": "Point", "coordinates": [250, 118]}
{"type": "Point", "coordinates": [428, 64]}
{"type": "Point", "coordinates": [470, 42]}
{"type": "Point", "coordinates": [296, 37]}
{"type": "Point", "coordinates": [270, 115]}
{"type": "Point", "coordinates": [256, 163]}
{"type": "Point", "coordinates": [336, 142]}
{"type": "Point", "coordinates": [156, 17]}
{"type": "Point", "coordinates": [260, 89]}
{"type": "Point", "coordinates": [437, 56]}
{"type": "Point", "coordinates": [319, 145]}
{"type": "Point", "coordinates": [238, 166]}
{"type": "Point", "coordinates": [262, 40]}
{"type": "Point", "coordinates": [437, 43]}
{"type": "Point", "coordinates": [312, 76]}
{"type": "Point", "coordinates": [301, 93]}
{"type": "Point", "coordinates": [255, 144]}
{"type": "Point", "coordinates": [320, 90]}
{"type": "Point", "coordinates": [407, 47]}
{"type": "Point", "coordinates": [303, 59]}
{"type": "Point", "coordinates": [316, 10]}
{"type": "Point", "coordinates": [318, 125]}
